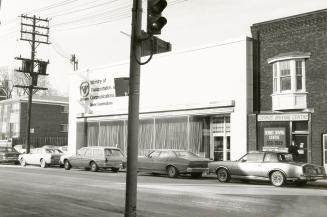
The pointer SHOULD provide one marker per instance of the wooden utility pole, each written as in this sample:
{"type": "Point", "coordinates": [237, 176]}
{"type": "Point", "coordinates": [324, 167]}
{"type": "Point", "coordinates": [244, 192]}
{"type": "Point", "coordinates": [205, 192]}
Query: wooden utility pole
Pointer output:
{"type": "Point", "coordinates": [35, 31]}
{"type": "Point", "coordinates": [133, 110]}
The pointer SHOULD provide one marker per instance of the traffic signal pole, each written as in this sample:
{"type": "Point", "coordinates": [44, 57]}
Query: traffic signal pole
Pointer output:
{"type": "Point", "coordinates": [133, 110]}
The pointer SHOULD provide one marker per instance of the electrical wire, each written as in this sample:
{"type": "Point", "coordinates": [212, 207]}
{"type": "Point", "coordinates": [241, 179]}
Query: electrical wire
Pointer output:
{"type": "Point", "coordinates": [92, 19]}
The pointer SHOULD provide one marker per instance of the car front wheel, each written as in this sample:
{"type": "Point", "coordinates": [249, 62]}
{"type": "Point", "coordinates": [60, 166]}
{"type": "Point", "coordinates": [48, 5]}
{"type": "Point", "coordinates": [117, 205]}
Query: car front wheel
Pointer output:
{"type": "Point", "coordinates": [67, 165]}
{"type": "Point", "coordinates": [223, 175]}
{"type": "Point", "coordinates": [94, 167]}
{"type": "Point", "coordinates": [43, 164]}
{"type": "Point", "coordinates": [277, 179]}
{"type": "Point", "coordinates": [22, 162]}
{"type": "Point", "coordinates": [172, 172]}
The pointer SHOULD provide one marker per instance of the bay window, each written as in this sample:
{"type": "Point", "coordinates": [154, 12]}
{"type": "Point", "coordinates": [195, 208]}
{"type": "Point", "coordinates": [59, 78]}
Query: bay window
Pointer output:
{"type": "Point", "coordinates": [288, 72]}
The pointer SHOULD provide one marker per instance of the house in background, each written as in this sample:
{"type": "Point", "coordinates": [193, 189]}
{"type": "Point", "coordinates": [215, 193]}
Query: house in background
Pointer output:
{"type": "Point", "coordinates": [290, 85]}
{"type": "Point", "coordinates": [49, 121]}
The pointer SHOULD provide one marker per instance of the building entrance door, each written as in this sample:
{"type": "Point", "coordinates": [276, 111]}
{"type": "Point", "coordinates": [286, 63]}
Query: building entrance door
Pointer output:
{"type": "Point", "coordinates": [324, 142]}
{"type": "Point", "coordinates": [221, 148]}
{"type": "Point", "coordinates": [220, 138]}
{"type": "Point", "coordinates": [218, 148]}
{"type": "Point", "coordinates": [301, 142]}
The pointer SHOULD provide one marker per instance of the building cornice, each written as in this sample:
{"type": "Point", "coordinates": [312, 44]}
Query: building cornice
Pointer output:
{"type": "Point", "coordinates": [313, 20]}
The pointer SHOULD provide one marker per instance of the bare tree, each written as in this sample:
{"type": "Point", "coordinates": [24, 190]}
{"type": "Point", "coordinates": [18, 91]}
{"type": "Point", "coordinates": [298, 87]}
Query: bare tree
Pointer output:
{"type": "Point", "coordinates": [9, 78]}
{"type": "Point", "coordinates": [5, 87]}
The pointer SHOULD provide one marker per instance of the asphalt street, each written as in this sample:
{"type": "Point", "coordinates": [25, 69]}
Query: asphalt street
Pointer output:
{"type": "Point", "coordinates": [33, 191]}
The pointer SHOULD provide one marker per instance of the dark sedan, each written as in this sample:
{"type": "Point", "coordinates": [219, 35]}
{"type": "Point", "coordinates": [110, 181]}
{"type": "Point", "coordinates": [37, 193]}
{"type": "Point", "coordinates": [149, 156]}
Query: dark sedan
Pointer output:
{"type": "Point", "coordinates": [8, 155]}
{"type": "Point", "coordinates": [173, 163]}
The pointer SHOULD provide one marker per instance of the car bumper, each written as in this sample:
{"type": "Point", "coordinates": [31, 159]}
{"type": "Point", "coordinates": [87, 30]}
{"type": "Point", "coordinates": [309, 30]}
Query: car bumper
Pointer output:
{"type": "Point", "coordinates": [308, 178]}
{"type": "Point", "coordinates": [197, 170]}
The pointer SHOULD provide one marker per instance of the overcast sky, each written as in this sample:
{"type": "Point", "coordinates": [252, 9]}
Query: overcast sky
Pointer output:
{"type": "Point", "coordinates": [91, 29]}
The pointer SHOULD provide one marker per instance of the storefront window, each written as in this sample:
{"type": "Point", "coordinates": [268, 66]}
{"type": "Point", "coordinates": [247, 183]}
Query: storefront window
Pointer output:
{"type": "Point", "coordinates": [300, 126]}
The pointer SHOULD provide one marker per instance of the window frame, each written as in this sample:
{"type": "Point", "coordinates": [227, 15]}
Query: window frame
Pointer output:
{"type": "Point", "coordinates": [293, 75]}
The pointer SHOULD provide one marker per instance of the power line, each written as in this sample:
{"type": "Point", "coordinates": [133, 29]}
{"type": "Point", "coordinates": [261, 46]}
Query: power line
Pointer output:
{"type": "Point", "coordinates": [97, 18]}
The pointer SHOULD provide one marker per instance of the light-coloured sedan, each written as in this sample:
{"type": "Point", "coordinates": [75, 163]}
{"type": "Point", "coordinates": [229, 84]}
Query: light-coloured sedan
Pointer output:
{"type": "Point", "coordinates": [278, 168]}
{"type": "Point", "coordinates": [41, 156]}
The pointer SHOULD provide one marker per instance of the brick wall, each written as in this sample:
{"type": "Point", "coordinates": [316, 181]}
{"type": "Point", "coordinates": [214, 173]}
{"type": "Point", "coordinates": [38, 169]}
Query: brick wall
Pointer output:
{"type": "Point", "coordinates": [304, 33]}
{"type": "Point", "coordinates": [46, 121]}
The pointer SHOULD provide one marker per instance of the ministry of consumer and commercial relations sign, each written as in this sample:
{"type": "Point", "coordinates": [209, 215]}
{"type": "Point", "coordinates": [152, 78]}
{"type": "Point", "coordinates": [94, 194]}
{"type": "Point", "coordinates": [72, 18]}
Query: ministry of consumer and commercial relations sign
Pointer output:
{"type": "Point", "coordinates": [284, 117]}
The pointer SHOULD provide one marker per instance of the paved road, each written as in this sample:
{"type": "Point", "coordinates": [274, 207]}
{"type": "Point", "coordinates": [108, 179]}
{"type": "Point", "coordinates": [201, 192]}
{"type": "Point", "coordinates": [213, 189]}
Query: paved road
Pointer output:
{"type": "Point", "coordinates": [36, 192]}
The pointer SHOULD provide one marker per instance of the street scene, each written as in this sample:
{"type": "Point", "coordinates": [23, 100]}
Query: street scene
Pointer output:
{"type": "Point", "coordinates": [142, 108]}
{"type": "Point", "coordinates": [56, 192]}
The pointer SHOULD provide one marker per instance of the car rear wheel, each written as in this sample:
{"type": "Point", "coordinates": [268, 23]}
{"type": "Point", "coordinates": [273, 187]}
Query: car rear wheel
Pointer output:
{"type": "Point", "coordinates": [172, 172]}
{"type": "Point", "coordinates": [196, 175]}
{"type": "Point", "coordinates": [43, 163]}
{"type": "Point", "coordinates": [22, 162]}
{"type": "Point", "coordinates": [223, 175]}
{"type": "Point", "coordinates": [115, 170]}
{"type": "Point", "coordinates": [94, 167]}
{"type": "Point", "coordinates": [67, 165]}
{"type": "Point", "coordinates": [277, 178]}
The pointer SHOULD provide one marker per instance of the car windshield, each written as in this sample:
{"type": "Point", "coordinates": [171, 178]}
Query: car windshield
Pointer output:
{"type": "Point", "coordinates": [185, 154]}
{"type": "Point", "coordinates": [6, 149]}
{"type": "Point", "coordinates": [53, 151]}
{"type": "Point", "coordinates": [113, 153]}
{"type": "Point", "coordinates": [284, 157]}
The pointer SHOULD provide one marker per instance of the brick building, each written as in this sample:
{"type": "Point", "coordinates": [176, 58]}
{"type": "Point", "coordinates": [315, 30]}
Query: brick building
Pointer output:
{"type": "Point", "coordinates": [49, 123]}
{"type": "Point", "coordinates": [290, 85]}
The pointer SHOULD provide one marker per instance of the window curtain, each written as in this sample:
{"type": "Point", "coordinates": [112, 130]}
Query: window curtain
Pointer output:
{"type": "Point", "coordinates": [92, 133]}
{"type": "Point", "coordinates": [146, 136]}
{"type": "Point", "coordinates": [171, 133]}
{"type": "Point", "coordinates": [195, 134]}
{"type": "Point", "coordinates": [112, 134]}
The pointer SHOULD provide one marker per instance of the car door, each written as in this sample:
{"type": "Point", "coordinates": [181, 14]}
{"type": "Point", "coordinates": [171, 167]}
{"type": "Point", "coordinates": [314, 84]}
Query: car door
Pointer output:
{"type": "Point", "coordinates": [33, 157]}
{"type": "Point", "coordinates": [88, 156]}
{"type": "Point", "coordinates": [250, 165]}
{"type": "Point", "coordinates": [147, 163]}
{"type": "Point", "coordinates": [160, 163]}
{"type": "Point", "coordinates": [76, 160]}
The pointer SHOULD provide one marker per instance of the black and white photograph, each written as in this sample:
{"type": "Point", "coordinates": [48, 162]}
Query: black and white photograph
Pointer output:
{"type": "Point", "coordinates": [163, 108]}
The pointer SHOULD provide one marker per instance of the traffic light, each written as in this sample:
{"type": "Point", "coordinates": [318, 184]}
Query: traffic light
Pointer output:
{"type": "Point", "coordinates": [155, 22]}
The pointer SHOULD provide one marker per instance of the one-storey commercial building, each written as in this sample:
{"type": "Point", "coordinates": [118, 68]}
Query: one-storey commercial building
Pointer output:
{"type": "Point", "coordinates": [197, 99]}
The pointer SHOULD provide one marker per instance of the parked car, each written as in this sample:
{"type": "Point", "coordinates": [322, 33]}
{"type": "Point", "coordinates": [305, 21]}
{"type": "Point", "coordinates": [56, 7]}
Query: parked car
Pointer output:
{"type": "Point", "coordinates": [173, 163]}
{"type": "Point", "coordinates": [8, 155]}
{"type": "Point", "coordinates": [41, 156]}
{"type": "Point", "coordinates": [95, 158]}
{"type": "Point", "coordinates": [278, 168]}
{"type": "Point", "coordinates": [64, 149]}
{"type": "Point", "coordinates": [21, 148]}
